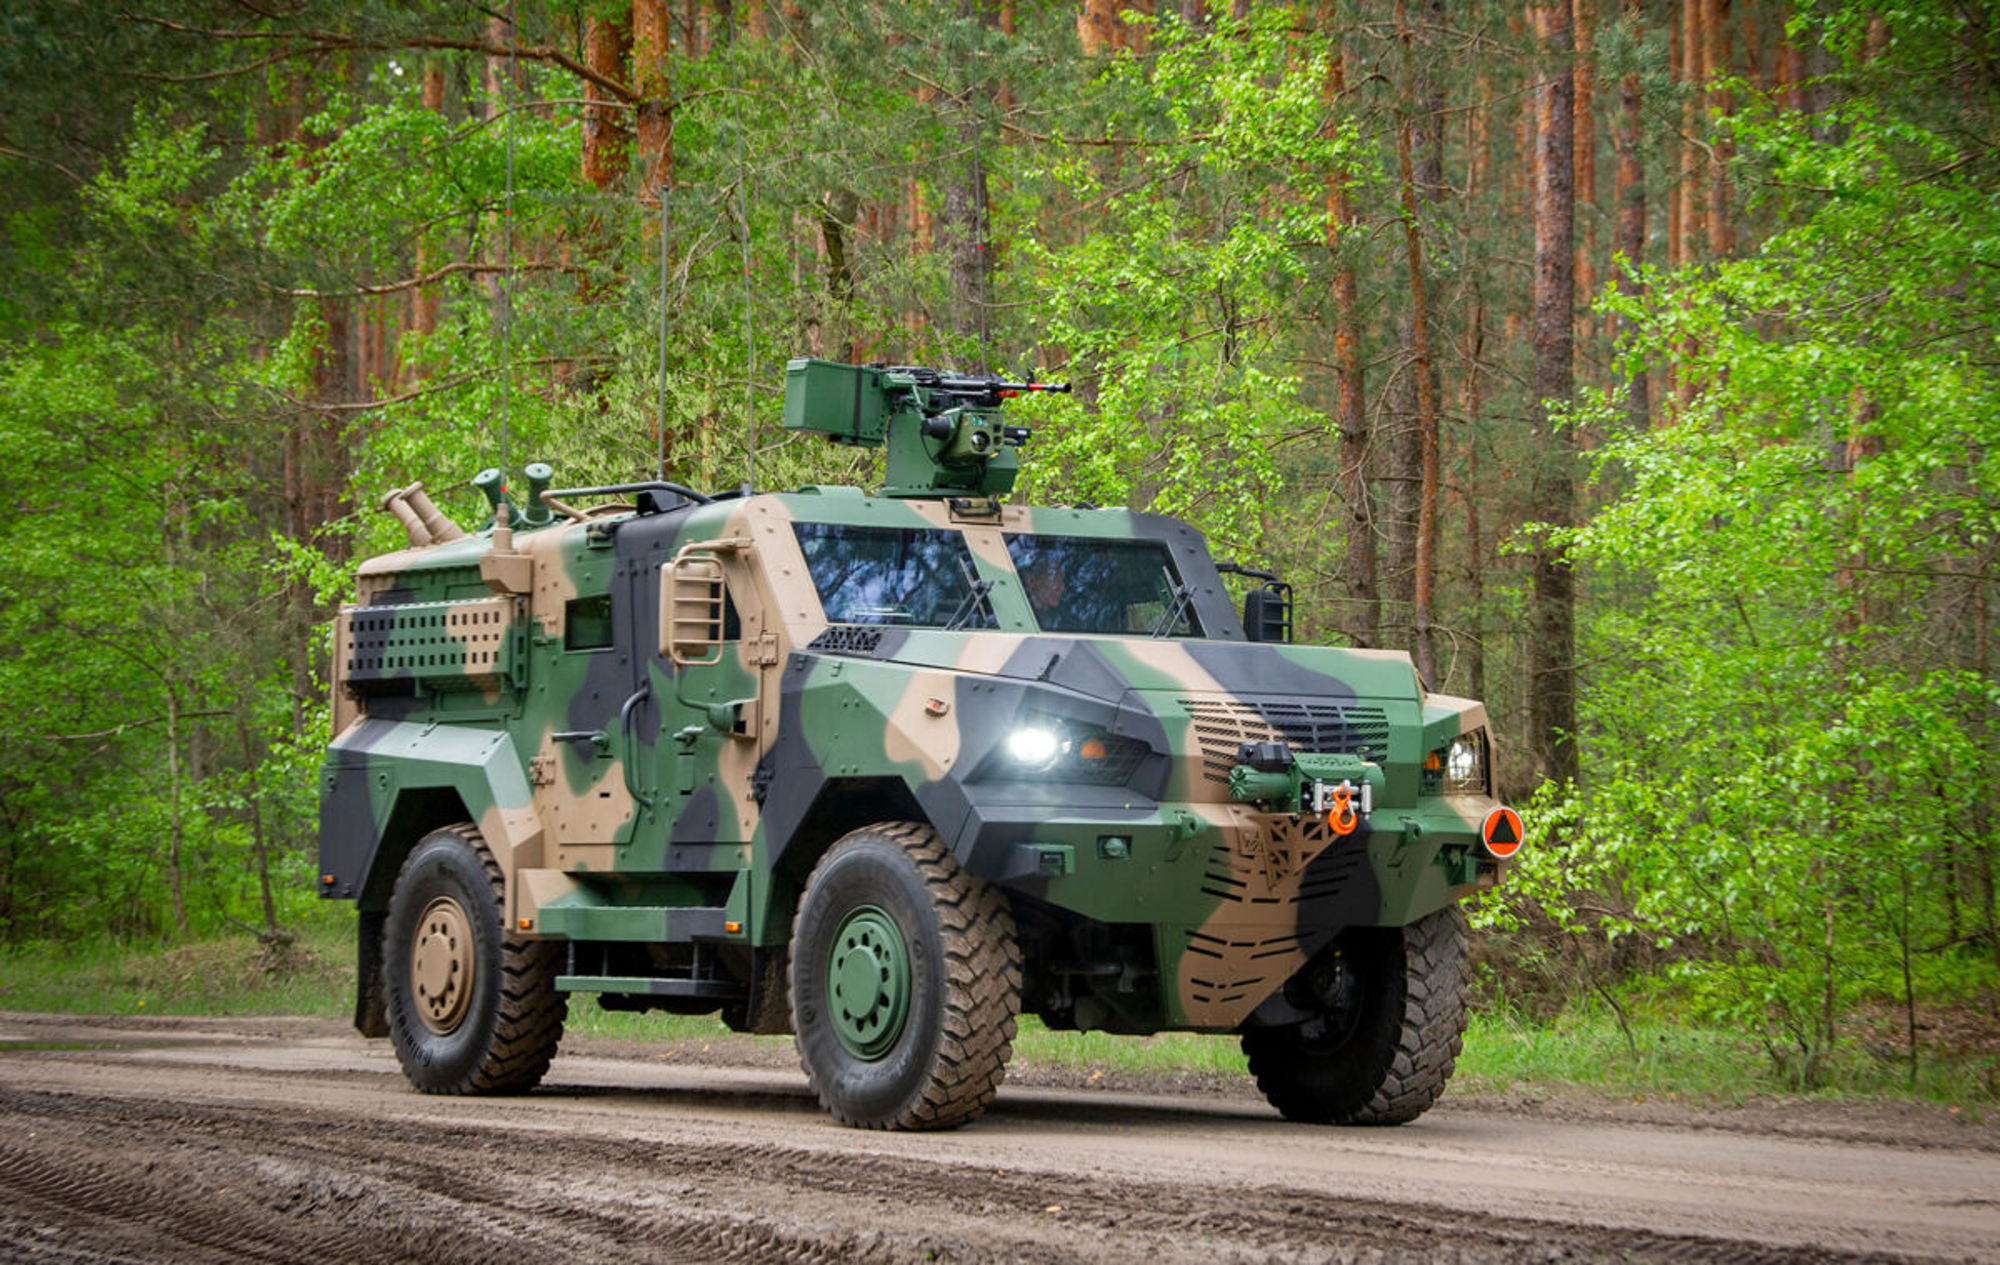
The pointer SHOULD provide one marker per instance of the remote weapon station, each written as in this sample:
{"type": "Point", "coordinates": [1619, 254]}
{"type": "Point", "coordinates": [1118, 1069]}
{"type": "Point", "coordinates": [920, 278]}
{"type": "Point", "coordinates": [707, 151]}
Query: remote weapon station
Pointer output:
{"type": "Point", "coordinates": [885, 771]}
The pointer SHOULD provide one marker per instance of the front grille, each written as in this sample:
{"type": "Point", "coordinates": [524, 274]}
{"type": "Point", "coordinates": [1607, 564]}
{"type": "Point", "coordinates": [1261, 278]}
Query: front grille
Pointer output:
{"type": "Point", "coordinates": [1221, 725]}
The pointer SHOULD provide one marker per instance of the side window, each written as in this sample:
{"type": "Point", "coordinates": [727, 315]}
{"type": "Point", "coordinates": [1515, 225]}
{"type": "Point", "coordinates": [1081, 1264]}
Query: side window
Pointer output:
{"type": "Point", "coordinates": [906, 577]}
{"type": "Point", "coordinates": [587, 623]}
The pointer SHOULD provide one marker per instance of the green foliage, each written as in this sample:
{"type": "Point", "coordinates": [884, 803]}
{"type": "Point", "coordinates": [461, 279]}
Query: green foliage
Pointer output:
{"type": "Point", "coordinates": [1787, 696]}
{"type": "Point", "coordinates": [1208, 230]}
{"type": "Point", "coordinates": [1789, 776]}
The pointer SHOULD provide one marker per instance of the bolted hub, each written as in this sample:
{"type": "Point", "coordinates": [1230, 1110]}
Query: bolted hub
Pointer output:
{"type": "Point", "coordinates": [868, 975]}
{"type": "Point", "coordinates": [441, 965]}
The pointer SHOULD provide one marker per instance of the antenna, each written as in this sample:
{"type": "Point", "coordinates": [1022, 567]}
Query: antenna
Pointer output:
{"type": "Point", "coordinates": [660, 420]}
{"type": "Point", "coordinates": [749, 317]}
{"type": "Point", "coordinates": [507, 259]}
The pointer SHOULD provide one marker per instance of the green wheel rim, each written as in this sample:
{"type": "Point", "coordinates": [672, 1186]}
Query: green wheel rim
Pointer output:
{"type": "Point", "coordinates": [868, 982]}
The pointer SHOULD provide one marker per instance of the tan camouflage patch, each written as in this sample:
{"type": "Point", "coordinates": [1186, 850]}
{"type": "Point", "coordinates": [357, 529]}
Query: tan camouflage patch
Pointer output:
{"type": "Point", "coordinates": [916, 733]}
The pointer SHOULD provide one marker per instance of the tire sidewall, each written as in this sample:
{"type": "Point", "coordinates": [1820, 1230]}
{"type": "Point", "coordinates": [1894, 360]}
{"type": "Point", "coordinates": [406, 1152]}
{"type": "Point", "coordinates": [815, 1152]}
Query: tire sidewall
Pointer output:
{"type": "Point", "coordinates": [443, 864]}
{"type": "Point", "coordinates": [869, 870]}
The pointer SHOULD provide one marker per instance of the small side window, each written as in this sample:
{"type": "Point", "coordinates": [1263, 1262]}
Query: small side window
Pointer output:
{"type": "Point", "coordinates": [587, 623]}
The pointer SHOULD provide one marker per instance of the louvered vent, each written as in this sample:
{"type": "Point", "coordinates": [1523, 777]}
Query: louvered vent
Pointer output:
{"type": "Point", "coordinates": [1221, 725]}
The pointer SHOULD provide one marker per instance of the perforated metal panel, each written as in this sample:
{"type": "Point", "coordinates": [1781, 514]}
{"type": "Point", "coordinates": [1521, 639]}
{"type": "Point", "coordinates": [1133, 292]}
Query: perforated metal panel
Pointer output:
{"type": "Point", "coordinates": [475, 645]}
{"type": "Point", "coordinates": [1316, 728]}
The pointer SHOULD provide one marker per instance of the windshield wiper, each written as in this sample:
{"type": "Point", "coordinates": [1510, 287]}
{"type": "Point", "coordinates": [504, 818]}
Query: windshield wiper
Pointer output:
{"type": "Point", "coordinates": [1183, 594]}
{"type": "Point", "coordinates": [975, 601]}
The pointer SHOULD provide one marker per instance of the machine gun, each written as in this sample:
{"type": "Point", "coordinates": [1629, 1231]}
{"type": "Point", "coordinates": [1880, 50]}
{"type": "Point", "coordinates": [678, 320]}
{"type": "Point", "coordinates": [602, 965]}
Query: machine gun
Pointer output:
{"type": "Point", "coordinates": [943, 431]}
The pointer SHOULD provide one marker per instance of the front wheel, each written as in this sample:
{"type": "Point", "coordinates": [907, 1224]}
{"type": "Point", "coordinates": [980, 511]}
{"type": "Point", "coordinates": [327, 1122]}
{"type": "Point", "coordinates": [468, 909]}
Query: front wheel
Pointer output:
{"type": "Point", "coordinates": [1386, 1022]}
{"type": "Point", "coordinates": [905, 981]}
{"type": "Point", "coordinates": [471, 1009]}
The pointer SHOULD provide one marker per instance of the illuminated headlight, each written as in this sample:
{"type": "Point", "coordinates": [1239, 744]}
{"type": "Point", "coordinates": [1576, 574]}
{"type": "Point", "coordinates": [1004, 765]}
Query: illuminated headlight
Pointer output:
{"type": "Point", "coordinates": [1052, 749]}
{"type": "Point", "coordinates": [1033, 747]}
{"type": "Point", "coordinates": [1465, 764]}
{"type": "Point", "coordinates": [1458, 768]}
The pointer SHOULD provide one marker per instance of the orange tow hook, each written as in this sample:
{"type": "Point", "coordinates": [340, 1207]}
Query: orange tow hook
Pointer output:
{"type": "Point", "coordinates": [1341, 818]}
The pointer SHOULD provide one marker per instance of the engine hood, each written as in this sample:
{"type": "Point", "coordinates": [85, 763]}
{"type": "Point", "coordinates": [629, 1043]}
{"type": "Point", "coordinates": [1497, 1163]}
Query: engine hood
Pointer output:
{"type": "Point", "coordinates": [1109, 668]}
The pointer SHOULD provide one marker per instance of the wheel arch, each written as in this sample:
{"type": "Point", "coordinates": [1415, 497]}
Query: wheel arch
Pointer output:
{"type": "Point", "coordinates": [386, 784]}
{"type": "Point", "coordinates": [843, 805]}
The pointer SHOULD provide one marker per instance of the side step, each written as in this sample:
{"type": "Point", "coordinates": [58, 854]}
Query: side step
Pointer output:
{"type": "Point", "coordinates": [645, 985]}
{"type": "Point", "coordinates": [654, 924]}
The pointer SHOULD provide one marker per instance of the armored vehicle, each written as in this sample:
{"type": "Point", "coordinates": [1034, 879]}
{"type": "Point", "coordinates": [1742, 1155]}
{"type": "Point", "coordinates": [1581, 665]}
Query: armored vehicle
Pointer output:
{"type": "Point", "coordinates": [885, 771]}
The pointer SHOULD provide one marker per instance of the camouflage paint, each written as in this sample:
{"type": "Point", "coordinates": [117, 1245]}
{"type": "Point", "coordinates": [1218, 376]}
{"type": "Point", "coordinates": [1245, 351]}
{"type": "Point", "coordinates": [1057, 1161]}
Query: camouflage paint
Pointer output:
{"type": "Point", "coordinates": [644, 802]}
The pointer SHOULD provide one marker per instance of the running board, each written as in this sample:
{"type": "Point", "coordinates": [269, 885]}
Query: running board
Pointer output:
{"type": "Point", "coordinates": [646, 985]}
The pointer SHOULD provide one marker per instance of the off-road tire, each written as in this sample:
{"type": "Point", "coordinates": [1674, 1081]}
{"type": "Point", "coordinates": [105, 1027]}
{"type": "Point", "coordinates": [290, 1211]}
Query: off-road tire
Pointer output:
{"type": "Point", "coordinates": [964, 970]}
{"type": "Point", "coordinates": [513, 1016]}
{"type": "Point", "coordinates": [1392, 1063]}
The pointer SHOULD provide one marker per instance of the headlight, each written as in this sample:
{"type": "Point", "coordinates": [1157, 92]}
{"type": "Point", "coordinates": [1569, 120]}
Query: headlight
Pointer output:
{"type": "Point", "coordinates": [1056, 750]}
{"type": "Point", "coordinates": [1459, 767]}
{"type": "Point", "coordinates": [1033, 747]}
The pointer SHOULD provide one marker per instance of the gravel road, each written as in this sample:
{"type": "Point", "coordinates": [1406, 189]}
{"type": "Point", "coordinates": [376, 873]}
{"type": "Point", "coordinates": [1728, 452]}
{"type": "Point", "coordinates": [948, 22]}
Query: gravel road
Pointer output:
{"type": "Point", "coordinates": [287, 1140]}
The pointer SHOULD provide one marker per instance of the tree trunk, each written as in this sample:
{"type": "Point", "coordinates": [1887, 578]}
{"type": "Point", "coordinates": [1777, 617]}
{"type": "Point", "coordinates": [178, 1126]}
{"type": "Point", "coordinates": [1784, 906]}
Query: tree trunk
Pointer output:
{"type": "Point", "coordinates": [652, 35]}
{"type": "Point", "coordinates": [424, 299]}
{"type": "Point", "coordinates": [1425, 544]}
{"type": "Point", "coordinates": [965, 211]}
{"type": "Point", "coordinates": [1098, 26]}
{"type": "Point", "coordinates": [176, 827]}
{"type": "Point", "coordinates": [1586, 160]}
{"type": "Point", "coordinates": [607, 39]}
{"type": "Point", "coordinates": [1551, 651]}
{"type": "Point", "coordinates": [1364, 618]}
{"type": "Point", "coordinates": [1631, 195]}
{"type": "Point", "coordinates": [1475, 559]}
{"type": "Point", "coordinates": [1715, 60]}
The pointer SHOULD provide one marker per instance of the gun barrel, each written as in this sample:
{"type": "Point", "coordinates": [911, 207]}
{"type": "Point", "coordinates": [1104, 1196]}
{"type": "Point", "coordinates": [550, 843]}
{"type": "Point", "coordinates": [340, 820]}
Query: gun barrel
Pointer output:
{"type": "Point", "coordinates": [995, 387]}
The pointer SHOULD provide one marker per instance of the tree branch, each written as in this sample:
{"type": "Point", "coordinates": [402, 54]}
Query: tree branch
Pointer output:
{"type": "Point", "coordinates": [333, 41]}
{"type": "Point", "coordinates": [46, 162]}
{"type": "Point", "coordinates": [430, 278]}
{"type": "Point", "coordinates": [115, 730]}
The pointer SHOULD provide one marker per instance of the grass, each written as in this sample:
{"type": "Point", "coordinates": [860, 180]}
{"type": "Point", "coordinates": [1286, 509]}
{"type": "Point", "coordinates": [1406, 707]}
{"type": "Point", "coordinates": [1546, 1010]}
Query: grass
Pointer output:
{"type": "Point", "coordinates": [233, 976]}
{"type": "Point", "coordinates": [1666, 1055]}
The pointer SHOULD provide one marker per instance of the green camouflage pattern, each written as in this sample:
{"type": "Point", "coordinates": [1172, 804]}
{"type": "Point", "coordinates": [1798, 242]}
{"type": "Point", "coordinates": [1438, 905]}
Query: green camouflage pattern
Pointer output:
{"type": "Point", "coordinates": [658, 800]}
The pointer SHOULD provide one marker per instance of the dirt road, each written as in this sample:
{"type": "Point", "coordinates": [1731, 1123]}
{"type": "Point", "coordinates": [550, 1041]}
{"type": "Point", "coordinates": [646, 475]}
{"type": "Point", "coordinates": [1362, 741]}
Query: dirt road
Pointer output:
{"type": "Point", "coordinates": [284, 1140]}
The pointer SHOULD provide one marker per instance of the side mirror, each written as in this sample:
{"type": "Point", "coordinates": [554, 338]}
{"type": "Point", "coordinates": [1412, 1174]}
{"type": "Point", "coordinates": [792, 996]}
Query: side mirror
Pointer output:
{"type": "Point", "coordinates": [1267, 612]}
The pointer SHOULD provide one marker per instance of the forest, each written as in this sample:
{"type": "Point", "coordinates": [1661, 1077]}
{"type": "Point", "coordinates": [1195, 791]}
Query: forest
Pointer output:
{"type": "Point", "coordinates": [1630, 364]}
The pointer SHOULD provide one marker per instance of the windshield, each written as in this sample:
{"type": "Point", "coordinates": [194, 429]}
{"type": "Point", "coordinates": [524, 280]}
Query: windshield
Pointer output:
{"type": "Point", "coordinates": [1091, 584]}
{"type": "Point", "coordinates": [908, 577]}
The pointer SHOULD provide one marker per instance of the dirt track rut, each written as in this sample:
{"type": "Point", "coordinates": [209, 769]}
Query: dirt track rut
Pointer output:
{"type": "Point", "coordinates": [241, 1142]}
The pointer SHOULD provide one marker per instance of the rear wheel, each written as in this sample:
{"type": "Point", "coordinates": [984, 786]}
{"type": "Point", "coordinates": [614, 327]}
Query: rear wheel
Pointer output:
{"type": "Point", "coordinates": [1387, 1021]}
{"type": "Point", "coordinates": [905, 980]}
{"type": "Point", "coordinates": [471, 1008]}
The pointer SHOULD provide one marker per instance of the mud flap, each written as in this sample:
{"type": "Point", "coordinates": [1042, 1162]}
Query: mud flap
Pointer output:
{"type": "Point", "coordinates": [370, 1019]}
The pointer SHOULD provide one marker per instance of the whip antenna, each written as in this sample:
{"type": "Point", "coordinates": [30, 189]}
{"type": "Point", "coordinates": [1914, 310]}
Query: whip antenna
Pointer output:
{"type": "Point", "coordinates": [660, 462]}
{"type": "Point", "coordinates": [507, 259]}
{"type": "Point", "coordinates": [749, 315]}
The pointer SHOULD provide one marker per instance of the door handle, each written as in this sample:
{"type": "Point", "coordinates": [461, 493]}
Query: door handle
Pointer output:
{"type": "Point", "coordinates": [631, 765]}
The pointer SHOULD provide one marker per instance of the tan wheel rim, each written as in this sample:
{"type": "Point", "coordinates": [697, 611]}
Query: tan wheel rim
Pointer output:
{"type": "Point", "coordinates": [442, 965]}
